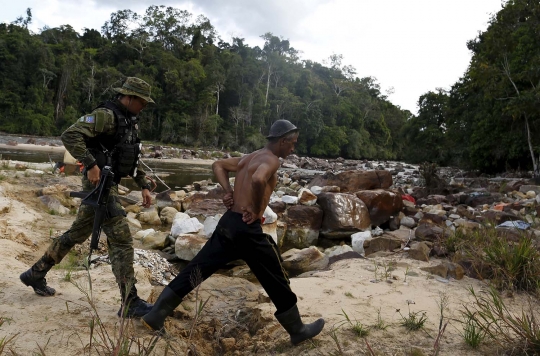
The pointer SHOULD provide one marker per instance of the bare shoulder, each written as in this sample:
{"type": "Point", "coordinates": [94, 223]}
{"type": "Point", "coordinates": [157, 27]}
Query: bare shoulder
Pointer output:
{"type": "Point", "coordinates": [265, 158]}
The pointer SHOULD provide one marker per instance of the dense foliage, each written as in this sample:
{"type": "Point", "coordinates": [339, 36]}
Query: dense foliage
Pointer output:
{"type": "Point", "coordinates": [208, 92]}
{"type": "Point", "coordinates": [489, 119]}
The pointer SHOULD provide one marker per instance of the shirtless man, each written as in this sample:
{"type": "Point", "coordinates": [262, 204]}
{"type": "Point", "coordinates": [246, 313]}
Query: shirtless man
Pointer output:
{"type": "Point", "coordinates": [239, 235]}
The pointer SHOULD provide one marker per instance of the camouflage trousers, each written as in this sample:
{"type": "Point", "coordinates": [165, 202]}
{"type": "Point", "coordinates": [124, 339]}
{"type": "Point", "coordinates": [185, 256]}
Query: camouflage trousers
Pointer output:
{"type": "Point", "coordinates": [119, 240]}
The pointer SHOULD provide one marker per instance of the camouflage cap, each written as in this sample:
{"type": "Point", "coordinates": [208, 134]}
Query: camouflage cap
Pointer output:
{"type": "Point", "coordinates": [137, 87]}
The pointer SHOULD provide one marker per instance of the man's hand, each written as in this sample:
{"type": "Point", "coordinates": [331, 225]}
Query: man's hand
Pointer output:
{"type": "Point", "coordinates": [249, 215]}
{"type": "Point", "coordinates": [146, 198]}
{"type": "Point", "coordinates": [228, 200]}
{"type": "Point", "coordinates": [93, 175]}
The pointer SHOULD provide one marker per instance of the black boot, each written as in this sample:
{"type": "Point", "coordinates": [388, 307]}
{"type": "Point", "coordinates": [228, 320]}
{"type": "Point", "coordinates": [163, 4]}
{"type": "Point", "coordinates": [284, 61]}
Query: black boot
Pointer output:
{"type": "Point", "coordinates": [132, 305]}
{"type": "Point", "coordinates": [291, 321]}
{"type": "Point", "coordinates": [35, 277]}
{"type": "Point", "coordinates": [168, 300]}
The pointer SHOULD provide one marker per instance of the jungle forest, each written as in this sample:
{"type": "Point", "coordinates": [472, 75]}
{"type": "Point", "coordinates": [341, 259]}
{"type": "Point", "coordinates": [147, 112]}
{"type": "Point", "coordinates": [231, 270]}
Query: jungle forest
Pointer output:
{"type": "Point", "coordinates": [210, 92]}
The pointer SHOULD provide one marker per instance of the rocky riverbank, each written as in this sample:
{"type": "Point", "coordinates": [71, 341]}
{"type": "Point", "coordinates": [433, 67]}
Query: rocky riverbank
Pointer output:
{"type": "Point", "coordinates": [359, 237]}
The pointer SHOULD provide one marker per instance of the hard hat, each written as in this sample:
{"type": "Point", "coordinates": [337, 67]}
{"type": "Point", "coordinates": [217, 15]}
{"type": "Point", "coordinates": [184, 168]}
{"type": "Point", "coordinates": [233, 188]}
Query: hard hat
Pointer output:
{"type": "Point", "coordinates": [281, 128]}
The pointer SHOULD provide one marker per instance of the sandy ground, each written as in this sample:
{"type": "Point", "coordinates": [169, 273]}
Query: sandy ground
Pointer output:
{"type": "Point", "coordinates": [59, 325]}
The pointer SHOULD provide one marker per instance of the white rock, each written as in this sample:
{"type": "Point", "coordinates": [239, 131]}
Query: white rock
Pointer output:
{"type": "Point", "coordinates": [377, 231]}
{"type": "Point", "coordinates": [189, 226]}
{"type": "Point", "coordinates": [143, 233]}
{"type": "Point", "coordinates": [337, 250]}
{"type": "Point", "coordinates": [269, 216]}
{"type": "Point", "coordinates": [210, 224]}
{"type": "Point", "coordinates": [408, 222]}
{"type": "Point", "coordinates": [316, 189]}
{"type": "Point", "coordinates": [181, 216]}
{"type": "Point", "coordinates": [306, 197]}
{"type": "Point", "coordinates": [288, 199]}
{"type": "Point", "coordinates": [358, 241]}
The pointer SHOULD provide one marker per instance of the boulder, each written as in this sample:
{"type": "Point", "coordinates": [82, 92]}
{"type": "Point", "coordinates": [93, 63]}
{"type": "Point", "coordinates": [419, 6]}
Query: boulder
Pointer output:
{"type": "Point", "coordinates": [271, 229]}
{"type": "Point", "coordinates": [167, 214]}
{"type": "Point", "coordinates": [149, 216]}
{"type": "Point", "coordinates": [168, 199]}
{"type": "Point", "coordinates": [278, 207]}
{"type": "Point", "coordinates": [269, 216]}
{"type": "Point", "coordinates": [337, 250]}
{"type": "Point", "coordinates": [191, 198]}
{"type": "Point", "coordinates": [382, 204]}
{"type": "Point", "coordinates": [299, 261]}
{"type": "Point", "coordinates": [206, 208]}
{"type": "Point", "coordinates": [210, 225]}
{"type": "Point", "coordinates": [497, 217]}
{"type": "Point", "coordinates": [408, 222]}
{"type": "Point", "coordinates": [143, 233]}
{"type": "Point", "coordinates": [187, 246]}
{"type": "Point", "coordinates": [156, 240]}
{"type": "Point", "coordinates": [53, 204]}
{"type": "Point", "coordinates": [289, 199]}
{"type": "Point", "coordinates": [183, 226]}
{"type": "Point", "coordinates": [446, 270]}
{"type": "Point", "coordinates": [344, 214]}
{"type": "Point", "coordinates": [352, 181]}
{"type": "Point", "coordinates": [419, 251]}
{"type": "Point", "coordinates": [303, 225]}
{"type": "Point", "coordinates": [382, 243]}
{"type": "Point", "coordinates": [306, 197]}
{"type": "Point", "coordinates": [428, 232]}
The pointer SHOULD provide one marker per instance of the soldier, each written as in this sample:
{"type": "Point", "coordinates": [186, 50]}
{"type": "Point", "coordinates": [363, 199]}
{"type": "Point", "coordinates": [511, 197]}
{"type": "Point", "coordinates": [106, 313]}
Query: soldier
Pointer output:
{"type": "Point", "coordinates": [239, 235]}
{"type": "Point", "coordinates": [108, 135]}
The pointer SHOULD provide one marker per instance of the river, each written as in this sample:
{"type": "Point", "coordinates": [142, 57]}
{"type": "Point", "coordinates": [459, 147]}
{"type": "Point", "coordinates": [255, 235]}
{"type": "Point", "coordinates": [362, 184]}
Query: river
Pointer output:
{"type": "Point", "coordinates": [175, 175]}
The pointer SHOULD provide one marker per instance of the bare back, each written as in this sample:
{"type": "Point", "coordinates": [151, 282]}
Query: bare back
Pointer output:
{"type": "Point", "coordinates": [260, 166]}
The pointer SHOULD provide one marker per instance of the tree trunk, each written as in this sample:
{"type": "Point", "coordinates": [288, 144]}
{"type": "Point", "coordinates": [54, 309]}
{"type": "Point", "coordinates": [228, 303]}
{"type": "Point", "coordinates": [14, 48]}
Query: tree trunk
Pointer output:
{"type": "Point", "coordinates": [536, 173]}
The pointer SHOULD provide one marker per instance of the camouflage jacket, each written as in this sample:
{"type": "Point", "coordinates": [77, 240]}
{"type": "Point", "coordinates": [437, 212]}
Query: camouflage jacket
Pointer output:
{"type": "Point", "coordinates": [102, 122]}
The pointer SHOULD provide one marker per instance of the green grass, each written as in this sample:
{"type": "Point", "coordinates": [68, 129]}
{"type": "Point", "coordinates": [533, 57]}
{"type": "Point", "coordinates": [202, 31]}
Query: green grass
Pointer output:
{"type": "Point", "coordinates": [380, 324]}
{"type": "Point", "coordinates": [513, 265]}
{"type": "Point", "coordinates": [414, 320]}
{"type": "Point", "coordinates": [472, 333]}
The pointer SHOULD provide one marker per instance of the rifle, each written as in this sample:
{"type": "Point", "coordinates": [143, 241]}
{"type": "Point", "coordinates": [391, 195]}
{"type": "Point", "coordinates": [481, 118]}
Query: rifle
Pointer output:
{"type": "Point", "coordinates": [97, 199]}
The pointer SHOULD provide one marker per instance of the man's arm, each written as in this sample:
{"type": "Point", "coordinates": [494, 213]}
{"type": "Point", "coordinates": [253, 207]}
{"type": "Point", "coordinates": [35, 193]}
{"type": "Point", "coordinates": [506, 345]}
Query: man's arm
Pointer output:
{"type": "Point", "coordinates": [143, 183]}
{"type": "Point", "coordinates": [87, 126]}
{"type": "Point", "coordinates": [221, 170]}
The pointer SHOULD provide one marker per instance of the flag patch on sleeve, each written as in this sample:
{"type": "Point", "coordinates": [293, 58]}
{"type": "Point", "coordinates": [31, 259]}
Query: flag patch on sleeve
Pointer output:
{"type": "Point", "coordinates": [90, 119]}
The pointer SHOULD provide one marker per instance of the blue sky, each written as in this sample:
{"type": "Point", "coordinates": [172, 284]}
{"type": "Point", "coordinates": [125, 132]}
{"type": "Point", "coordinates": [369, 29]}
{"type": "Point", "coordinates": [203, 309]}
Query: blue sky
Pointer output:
{"type": "Point", "coordinates": [412, 46]}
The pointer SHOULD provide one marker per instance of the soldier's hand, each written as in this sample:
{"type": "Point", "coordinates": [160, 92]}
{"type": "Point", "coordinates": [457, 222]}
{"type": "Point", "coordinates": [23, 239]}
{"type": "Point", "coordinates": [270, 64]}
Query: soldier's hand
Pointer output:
{"type": "Point", "coordinates": [146, 198]}
{"type": "Point", "coordinates": [228, 200]}
{"type": "Point", "coordinates": [93, 175]}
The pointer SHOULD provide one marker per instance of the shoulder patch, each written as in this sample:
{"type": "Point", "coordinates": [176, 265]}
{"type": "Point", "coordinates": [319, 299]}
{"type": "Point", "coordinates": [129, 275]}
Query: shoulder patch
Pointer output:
{"type": "Point", "coordinates": [90, 119]}
{"type": "Point", "coordinates": [104, 119]}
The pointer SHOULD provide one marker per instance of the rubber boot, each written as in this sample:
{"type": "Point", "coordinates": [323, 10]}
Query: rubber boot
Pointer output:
{"type": "Point", "coordinates": [291, 321]}
{"type": "Point", "coordinates": [132, 305]}
{"type": "Point", "coordinates": [168, 300]}
{"type": "Point", "coordinates": [35, 277]}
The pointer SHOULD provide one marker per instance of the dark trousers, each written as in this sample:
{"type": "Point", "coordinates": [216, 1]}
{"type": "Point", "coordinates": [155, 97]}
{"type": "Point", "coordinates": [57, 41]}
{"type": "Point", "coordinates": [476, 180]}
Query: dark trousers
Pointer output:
{"type": "Point", "coordinates": [232, 240]}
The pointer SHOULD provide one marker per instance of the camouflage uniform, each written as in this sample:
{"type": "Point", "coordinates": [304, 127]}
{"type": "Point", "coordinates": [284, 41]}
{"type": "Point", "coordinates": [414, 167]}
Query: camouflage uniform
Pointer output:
{"type": "Point", "coordinates": [99, 125]}
{"type": "Point", "coordinates": [119, 240]}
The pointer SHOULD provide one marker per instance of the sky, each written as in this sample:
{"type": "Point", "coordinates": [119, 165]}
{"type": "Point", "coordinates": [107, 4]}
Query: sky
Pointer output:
{"type": "Point", "coordinates": [410, 46]}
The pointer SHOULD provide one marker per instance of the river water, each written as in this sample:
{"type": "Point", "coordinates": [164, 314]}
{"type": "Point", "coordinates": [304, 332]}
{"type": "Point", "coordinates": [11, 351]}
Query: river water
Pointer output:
{"type": "Point", "coordinates": [175, 175]}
